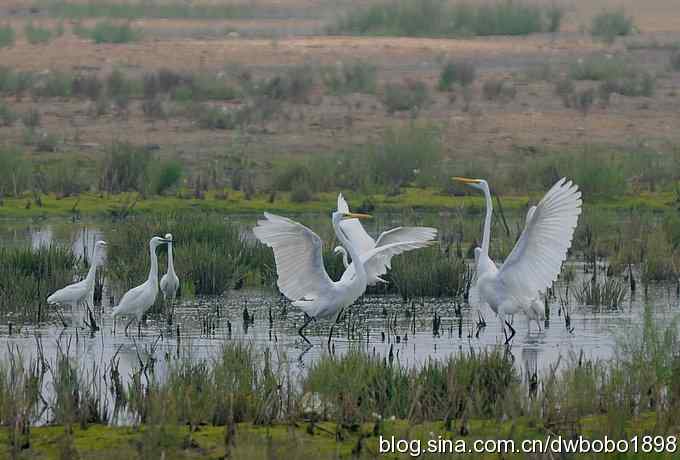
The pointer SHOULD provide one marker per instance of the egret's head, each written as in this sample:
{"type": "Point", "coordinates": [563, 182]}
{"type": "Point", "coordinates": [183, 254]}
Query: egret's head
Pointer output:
{"type": "Point", "coordinates": [157, 241]}
{"type": "Point", "coordinates": [168, 236]}
{"type": "Point", "coordinates": [479, 184]}
{"type": "Point", "coordinates": [339, 250]}
{"type": "Point", "coordinates": [100, 244]}
{"type": "Point", "coordinates": [339, 215]}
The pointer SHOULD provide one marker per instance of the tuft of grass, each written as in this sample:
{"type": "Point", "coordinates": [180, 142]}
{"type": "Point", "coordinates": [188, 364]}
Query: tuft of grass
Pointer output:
{"type": "Point", "coordinates": [37, 35]}
{"type": "Point", "coordinates": [28, 276]}
{"type": "Point", "coordinates": [7, 36]}
{"type": "Point", "coordinates": [411, 95]}
{"type": "Point", "coordinates": [461, 72]}
{"type": "Point", "coordinates": [109, 32]}
{"type": "Point", "coordinates": [353, 77]}
{"type": "Point", "coordinates": [607, 25]}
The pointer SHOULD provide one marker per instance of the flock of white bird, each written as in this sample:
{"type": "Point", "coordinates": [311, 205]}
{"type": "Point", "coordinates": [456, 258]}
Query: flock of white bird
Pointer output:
{"type": "Point", "coordinates": [516, 287]}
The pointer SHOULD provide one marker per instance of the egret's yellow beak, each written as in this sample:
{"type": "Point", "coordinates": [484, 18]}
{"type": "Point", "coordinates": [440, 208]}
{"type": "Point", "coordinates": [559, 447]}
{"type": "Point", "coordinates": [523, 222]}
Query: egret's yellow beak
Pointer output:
{"type": "Point", "coordinates": [465, 180]}
{"type": "Point", "coordinates": [355, 215]}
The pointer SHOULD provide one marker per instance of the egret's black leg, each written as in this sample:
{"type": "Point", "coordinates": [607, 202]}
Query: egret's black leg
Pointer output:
{"type": "Point", "coordinates": [308, 319]}
{"type": "Point", "coordinates": [330, 333]}
{"type": "Point", "coordinates": [127, 326]}
{"type": "Point", "coordinates": [512, 332]}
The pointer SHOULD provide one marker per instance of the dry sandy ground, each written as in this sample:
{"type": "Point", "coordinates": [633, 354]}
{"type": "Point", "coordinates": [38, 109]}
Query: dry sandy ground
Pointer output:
{"type": "Point", "coordinates": [535, 117]}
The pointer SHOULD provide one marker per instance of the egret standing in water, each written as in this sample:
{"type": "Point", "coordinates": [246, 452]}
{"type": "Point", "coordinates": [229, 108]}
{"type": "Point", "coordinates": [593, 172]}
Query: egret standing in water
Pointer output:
{"type": "Point", "coordinates": [80, 293]}
{"type": "Point", "coordinates": [138, 300]}
{"type": "Point", "coordinates": [364, 243]}
{"type": "Point", "coordinates": [536, 260]}
{"type": "Point", "coordinates": [302, 277]}
{"type": "Point", "coordinates": [169, 281]}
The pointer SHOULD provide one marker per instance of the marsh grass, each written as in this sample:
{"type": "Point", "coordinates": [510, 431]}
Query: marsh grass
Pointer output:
{"type": "Point", "coordinates": [608, 293]}
{"type": "Point", "coordinates": [28, 276]}
{"type": "Point", "coordinates": [211, 253]}
{"type": "Point", "coordinates": [430, 273]}
{"type": "Point", "coordinates": [354, 395]}
{"type": "Point", "coordinates": [436, 18]}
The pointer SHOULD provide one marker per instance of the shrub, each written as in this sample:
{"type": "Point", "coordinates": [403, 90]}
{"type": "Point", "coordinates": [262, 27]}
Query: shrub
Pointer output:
{"type": "Point", "coordinates": [165, 175]}
{"type": "Point", "coordinates": [117, 85]}
{"type": "Point", "coordinates": [608, 25]}
{"type": "Point", "coordinates": [153, 108]}
{"type": "Point", "coordinates": [18, 172]}
{"type": "Point", "coordinates": [37, 35]}
{"type": "Point", "coordinates": [461, 72]}
{"type": "Point", "coordinates": [31, 119]}
{"type": "Point", "coordinates": [356, 77]}
{"type": "Point", "coordinates": [301, 193]}
{"type": "Point", "coordinates": [87, 86]}
{"type": "Point", "coordinates": [124, 168]}
{"type": "Point", "coordinates": [583, 100]}
{"type": "Point", "coordinates": [600, 68]}
{"type": "Point", "coordinates": [675, 60]}
{"type": "Point", "coordinates": [53, 84]}
{"type": "Point", "coordinates": [209, 117]}
{"type": "Point", "coordinates": [295, 85]}
{"type": "Point", "coordinates": [65, 178]}
{"type": "Point", "coordinates": [498, 90]}
{"type": "Point", "coordinates": [7, 115]}
{"type": "Point", "coordinates": [634, 85]}
{"type": "Point", "coordinates": [408, 95]}
{"type": "Point", "coordinates": [7, 35]}
{"type": "Point", "coordinates": [404, 155]}
{"type": "Point", "coordinates": [109, 32]}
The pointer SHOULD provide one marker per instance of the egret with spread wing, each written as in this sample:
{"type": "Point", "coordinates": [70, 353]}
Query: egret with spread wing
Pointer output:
{"type": "Point", "coordinates": [170, 281]}
{"type": "Point", "coordinates": [81, 292]}
{"type": "Point", "coordinates": [536, 260]}
{"type": "Point", "coordinates": [365, 243]}
{"type": "Point", "coordinates": [302, 277]}
{"type": "Point", "coordinates": [138, 300]}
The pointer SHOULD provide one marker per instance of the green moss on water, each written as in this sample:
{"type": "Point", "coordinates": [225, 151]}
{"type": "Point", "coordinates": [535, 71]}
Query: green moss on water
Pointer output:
{"type": "Point", "coordinates": [300, 440]}
{"type": "Point", "coordinates": [91, 204]}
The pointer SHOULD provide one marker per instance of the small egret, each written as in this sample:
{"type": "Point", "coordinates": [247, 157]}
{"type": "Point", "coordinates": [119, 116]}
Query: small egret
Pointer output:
{"type": "Point", "coordinates": [169, 281]}
{"type": "Point", "coordinates": [365, 243]}
{"type": "Point", "coordinates": [138, 300]}
{"type": "Point", "coordinates": [302, 277]}
{"type": "Point", "coordinates": [536, 260]}
{"type": "Point", "coordinates": [81, 292]}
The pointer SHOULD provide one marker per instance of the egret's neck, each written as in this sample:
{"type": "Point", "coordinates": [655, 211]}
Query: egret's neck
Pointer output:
{"type": "Point", "coordinates": [345, 260]}
{"type": "Point", "coordinates": [486, 235]}
{"type": "Point", "coordinates": [359, 269]}
{"type": "Point", "coordinates": [153, 272]}
{"type": "Point", "coordinates": [171, 265]}
{"type": "Point", "coordinates": [93, 268]}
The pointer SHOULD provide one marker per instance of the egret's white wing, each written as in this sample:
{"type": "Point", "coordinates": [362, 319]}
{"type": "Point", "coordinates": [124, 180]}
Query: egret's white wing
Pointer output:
{"type": "Point", "coordinates": [536, 260]}
{"type": "Point", "coordinates": [298, 252]}
{"type": "Point", "coordinates": [378, 260]}
{"type": "Point", "coordinates": [72, 293]}
{"type": "Point", "coordinates": [399, 234]}
{"type": "Point", "coordinates": [352, 228]}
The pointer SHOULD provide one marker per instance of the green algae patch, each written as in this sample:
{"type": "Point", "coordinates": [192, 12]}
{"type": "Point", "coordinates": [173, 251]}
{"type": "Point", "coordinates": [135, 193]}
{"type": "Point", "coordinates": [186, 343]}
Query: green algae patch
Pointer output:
{"type": "Point", "coordinates": [303, 440]}
{"type": "Point", "coordinates": [427, 199]}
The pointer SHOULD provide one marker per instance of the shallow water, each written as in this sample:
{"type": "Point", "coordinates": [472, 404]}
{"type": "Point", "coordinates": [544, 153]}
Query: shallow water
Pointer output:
{"type": "Point", "coordinates": [378, 324]}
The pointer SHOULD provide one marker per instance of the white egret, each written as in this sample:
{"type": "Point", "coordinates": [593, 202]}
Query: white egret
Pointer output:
{"type": "Point", "coordinates": [365, 243]}
{"type": "Point", "coordinates": [302, 277]}
{"type": "Point", "coordinates": [169, 281]}
{"type": "Point", "coordinates": [81, 292]}
{"type": "Point", "coordinates": [536, 260]}
{"type": "Point", "coordinates": [138, 300]}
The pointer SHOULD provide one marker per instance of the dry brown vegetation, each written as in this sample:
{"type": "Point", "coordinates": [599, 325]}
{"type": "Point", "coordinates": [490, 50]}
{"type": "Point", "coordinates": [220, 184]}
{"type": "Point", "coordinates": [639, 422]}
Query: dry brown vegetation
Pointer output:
{"type": "Point", "coordinates": [471, 124]}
